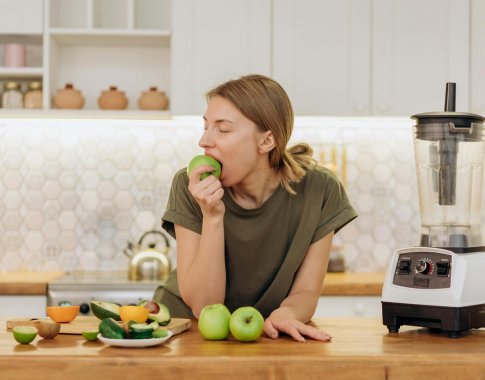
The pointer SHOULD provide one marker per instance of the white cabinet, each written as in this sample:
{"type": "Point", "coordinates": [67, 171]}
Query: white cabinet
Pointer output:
{"type": "Point", "coordinates": [417, 46]}
{"type": "Point", "coordinates": [379, 57]}
{"type": "Point", "coordinates": [214, 41]}
{"type": "Point", "coordinates": [321, 55]}
{"type": "Point", "coordinates": [23, 306]}
{"type": "Point", "coordinates": [477, 57]}
{"type": "Point", "coordinates": [349, 306]}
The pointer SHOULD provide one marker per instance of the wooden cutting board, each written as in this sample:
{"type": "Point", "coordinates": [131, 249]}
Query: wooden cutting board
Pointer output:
{"type": "Point", "coordinates": [85, 323]}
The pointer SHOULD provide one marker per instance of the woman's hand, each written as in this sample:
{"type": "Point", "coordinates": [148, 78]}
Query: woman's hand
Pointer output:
{"type": "Point", "coordinates": [208, 193]}
{"type": "Point", "coordinates": [277, 322]}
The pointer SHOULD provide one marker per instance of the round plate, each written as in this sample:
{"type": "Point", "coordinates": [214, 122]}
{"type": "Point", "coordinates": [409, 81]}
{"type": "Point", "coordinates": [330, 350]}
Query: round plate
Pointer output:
{"type": "Point", "coordinates": [134, 342]}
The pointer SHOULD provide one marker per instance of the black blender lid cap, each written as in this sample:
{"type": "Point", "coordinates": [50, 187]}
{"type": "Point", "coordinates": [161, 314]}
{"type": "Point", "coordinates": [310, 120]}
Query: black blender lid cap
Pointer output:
{"type": "Point", "coordinates": [448, 115]}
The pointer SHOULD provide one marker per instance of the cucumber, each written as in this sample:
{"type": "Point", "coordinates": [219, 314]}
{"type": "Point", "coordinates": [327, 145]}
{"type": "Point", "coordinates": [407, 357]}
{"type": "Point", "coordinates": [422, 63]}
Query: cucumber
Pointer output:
{"type": "Point", "coordinates": [162, 316]}
{"type": "Point", "coordinates": [160, 333]}
{"type": "Point", "coordinates": [109, 328]}
{"type": "Point", "coordinates": [102, 310]}
{"type": "Point", "coordinates": [141, 331]}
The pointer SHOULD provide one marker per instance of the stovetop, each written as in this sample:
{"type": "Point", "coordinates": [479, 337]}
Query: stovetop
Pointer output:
{"type": "Point", "coordinates": [89, 279]}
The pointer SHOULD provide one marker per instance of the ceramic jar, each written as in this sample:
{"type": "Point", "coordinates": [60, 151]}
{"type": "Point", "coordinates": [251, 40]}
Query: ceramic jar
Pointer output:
{"type": "Point", "coordinates": [14, 55]}
{"type": "Point", "coordinates": [33, 96]}
{"type": "Point", "coordinates": [112, 99]}
{"type": "Point", "coordinates": [153, 100]}
{"type": "Point", "coordinates": [68, 98]}
{"type": "Point", "coordinates": [12, 96]}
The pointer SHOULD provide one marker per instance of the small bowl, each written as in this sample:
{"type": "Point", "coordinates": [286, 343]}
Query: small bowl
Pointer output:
{"type": "Point", "coordinates": [62, 314]}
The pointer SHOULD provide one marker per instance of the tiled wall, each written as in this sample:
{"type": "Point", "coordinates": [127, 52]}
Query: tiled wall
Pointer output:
{"type": "Point", "coordinates": [74, 192]}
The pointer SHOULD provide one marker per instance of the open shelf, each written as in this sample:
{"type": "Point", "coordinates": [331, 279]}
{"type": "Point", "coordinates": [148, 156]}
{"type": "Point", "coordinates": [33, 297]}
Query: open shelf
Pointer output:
{"type": "Point", "coordinates": [21, 72]}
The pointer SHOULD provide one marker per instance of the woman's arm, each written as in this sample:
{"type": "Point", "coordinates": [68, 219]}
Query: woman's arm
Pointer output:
{"type": "Point", "coordinates": [299, 307]}
{"type": "Point", "coordinates": [201, 269]}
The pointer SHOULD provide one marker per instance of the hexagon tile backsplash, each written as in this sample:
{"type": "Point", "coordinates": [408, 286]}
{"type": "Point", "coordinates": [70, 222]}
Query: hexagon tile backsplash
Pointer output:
{"type": "Point", "coordinates": [74, 192]}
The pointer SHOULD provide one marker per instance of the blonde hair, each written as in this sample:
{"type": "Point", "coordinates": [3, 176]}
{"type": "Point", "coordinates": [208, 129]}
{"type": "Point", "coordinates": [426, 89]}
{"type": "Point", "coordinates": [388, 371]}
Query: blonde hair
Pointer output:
{"type": "Point", "coordinates": [263, 101]}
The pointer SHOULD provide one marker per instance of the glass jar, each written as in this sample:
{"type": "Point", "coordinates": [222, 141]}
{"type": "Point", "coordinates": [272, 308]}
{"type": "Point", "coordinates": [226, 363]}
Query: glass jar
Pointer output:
{"type": "Point", "coordinates": [12, 97]}
{"type": "Point", "coordinates": [33, 96]}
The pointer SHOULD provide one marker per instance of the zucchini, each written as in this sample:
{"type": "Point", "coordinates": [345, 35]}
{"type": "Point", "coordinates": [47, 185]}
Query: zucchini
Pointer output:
{"type": "Point", "coordinates": [103, 309]}
{"type": "Point", "coordinates": [109, 328]}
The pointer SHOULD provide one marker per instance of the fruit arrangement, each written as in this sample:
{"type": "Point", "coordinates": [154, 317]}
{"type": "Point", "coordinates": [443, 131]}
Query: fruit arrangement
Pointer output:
{"type": "Point", "coordinates": [142, 321]}
{"type": "Point", "coordinates": [216, 323]}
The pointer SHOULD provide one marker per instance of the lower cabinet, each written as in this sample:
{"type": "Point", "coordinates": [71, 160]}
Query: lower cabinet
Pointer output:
{"type": "Point", "coordinates": [23, 306]}
{"type": "Point", "coordinates": [349, 306]}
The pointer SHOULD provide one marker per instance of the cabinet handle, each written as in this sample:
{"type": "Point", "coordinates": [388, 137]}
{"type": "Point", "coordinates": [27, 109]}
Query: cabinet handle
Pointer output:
{"type": "Point", "coordinates": [383, 108]}
{"type": "Point", "coordinates": [359, 309]}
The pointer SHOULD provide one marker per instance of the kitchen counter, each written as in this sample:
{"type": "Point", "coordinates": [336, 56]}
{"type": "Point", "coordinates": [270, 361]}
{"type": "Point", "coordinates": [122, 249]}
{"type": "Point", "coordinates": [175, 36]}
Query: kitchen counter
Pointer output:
{"type": "Point", "coordinates": [361, 349]}
{"type": "Point", "coordinates": [26, 283]}
{"type": "Point", "coordinates": [353, 284]}
{"type": "Point", "coordinates": [347, 283]}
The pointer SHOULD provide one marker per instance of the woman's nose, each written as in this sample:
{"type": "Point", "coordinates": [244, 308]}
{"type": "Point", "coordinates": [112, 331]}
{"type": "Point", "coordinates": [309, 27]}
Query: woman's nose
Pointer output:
{"type": "Point", "coordinates": [205, 140]}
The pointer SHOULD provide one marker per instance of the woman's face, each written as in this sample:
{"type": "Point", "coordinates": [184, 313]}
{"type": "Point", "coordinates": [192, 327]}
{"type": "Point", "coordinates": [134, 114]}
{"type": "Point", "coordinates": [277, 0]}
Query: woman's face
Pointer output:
{"type": "Point", "coordinates": [232, 139]}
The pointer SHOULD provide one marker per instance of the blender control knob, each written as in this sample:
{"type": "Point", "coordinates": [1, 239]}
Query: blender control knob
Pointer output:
{"type": "Point", "coordinates": [422, 267]}
{"type": "Point", "coordinates": [84, 308]}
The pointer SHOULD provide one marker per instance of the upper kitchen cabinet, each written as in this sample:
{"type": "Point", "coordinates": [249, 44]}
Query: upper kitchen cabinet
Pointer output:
{"type": "Point", "coordinates": [477, 61]}
{"type": "Point", "coordinates": [95, 44]}
{"type": "Point", "coordinates": [321, 55]}
{"type": "Point", "coordinates": [213, 41]}
{"type": "Point", "coordinates": [417, 46]}
{"type": "Point", "coordinates": [373, 57]}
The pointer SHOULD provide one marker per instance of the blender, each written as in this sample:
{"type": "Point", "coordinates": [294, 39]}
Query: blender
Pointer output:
{"type": "Point", "coordinates": [438, 284]}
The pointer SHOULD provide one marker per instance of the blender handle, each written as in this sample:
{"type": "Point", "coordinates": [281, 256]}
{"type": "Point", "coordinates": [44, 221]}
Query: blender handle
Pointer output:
{"type": "Point", "coordinates": [450, 97]}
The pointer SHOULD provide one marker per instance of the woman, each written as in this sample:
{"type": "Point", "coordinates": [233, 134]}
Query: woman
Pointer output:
{"type": "Point", "coordinates": [260, 234]}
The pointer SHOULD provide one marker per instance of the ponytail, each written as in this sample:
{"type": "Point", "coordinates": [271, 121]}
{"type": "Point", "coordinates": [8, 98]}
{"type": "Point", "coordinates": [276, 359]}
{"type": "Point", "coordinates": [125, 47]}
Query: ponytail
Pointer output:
{"type": "Point", "coordinates": [294, 162]}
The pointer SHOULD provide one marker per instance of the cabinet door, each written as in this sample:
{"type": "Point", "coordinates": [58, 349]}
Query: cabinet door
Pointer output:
{"type": "Point", "coordinates": [417, 47]}
{"type": "Point", "coordinates": [321, 55]}
{"type": "Point", "coordinates": [21, 16]}
{"type": "Point", "coordinates": [214, 41]}
{"type": "Point", "coordinates": [477, 63]}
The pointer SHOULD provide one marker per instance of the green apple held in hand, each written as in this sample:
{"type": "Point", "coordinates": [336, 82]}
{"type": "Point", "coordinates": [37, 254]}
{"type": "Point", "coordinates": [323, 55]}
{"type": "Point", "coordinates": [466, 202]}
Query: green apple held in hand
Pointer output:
{"type": "Point", "coordinates": [213, 322]}
{"type": "Point", "coordinates": [205, 160]}
{"type": "Point", "coordinates": [246, 324]}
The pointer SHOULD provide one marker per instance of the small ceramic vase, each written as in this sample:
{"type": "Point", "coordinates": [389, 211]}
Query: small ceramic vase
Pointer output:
{"type": "Point", "coordinates": [68, 98]}
{"type": "Point", "coordinates": [112, 99]}
{"type": "Point", "coordinates": [14, 55]}
{"type": "Point", "coordinates": [153, 100]}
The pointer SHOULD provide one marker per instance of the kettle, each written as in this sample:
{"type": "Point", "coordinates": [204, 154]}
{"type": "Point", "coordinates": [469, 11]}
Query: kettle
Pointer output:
{"type": "Point", "coordinates": [147, 262]}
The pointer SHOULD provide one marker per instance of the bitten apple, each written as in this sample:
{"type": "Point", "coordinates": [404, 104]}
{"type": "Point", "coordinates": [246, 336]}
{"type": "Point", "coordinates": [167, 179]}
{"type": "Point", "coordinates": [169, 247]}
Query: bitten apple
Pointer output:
{"type": "Point", "coordinates": [205, 160]}
{"type": "Point", "coordinates": [213, 322]}
{"type": "Point", "coordinates": [246, 324]}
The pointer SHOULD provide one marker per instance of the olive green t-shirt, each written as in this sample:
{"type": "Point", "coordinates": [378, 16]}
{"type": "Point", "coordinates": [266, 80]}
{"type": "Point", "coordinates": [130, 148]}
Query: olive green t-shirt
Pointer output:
{"type": "Point", "coordinates": [264, 247]}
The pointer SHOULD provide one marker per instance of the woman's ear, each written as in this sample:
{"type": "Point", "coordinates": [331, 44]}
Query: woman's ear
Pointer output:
{"type": "Point", "coordinates": [267, 142]}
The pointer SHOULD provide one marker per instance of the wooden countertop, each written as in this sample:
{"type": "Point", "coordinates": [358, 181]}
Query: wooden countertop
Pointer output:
{"type": "Point", "coordinates": [335, 284]}
{"type": "Point", "coordinates": [26, 283]}
{"type": "Point", "coordinates": [361, 349]}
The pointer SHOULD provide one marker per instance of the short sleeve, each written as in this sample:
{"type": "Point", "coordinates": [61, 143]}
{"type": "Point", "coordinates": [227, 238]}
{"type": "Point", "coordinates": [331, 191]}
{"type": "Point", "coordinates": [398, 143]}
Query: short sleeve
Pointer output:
{"type": "Point", "coordinates": [336, 210]}
{"type": "Point", "coordinates": [182, 208]}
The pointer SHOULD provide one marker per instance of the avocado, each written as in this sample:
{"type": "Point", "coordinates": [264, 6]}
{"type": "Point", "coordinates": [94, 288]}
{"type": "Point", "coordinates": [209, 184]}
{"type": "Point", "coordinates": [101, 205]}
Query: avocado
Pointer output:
{"type": "Point", "coordinates": [102, 310]}
{"type": "Point", "coordinates": [157, 312]}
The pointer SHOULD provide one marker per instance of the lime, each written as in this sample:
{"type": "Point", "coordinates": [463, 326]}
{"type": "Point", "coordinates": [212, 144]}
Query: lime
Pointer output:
{"type": "Point", "coordinates": [24, 334]}
{"type": "Point", "coordinates": [160, 333]}
{"type": "Point", "coordinates": [90, 335]}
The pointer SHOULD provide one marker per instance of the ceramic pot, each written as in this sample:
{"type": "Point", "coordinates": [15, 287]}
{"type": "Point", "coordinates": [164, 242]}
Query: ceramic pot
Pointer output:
{"type": "Point", "coordinates": [153, 100]}
{"type": "Point", "coordinates": [68, 98]}
{"type": "Point", "coordinates": [112, 99]}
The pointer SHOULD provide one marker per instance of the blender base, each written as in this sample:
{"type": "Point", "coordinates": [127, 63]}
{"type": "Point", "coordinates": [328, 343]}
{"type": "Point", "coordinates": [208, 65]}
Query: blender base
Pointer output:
{"type": "Point", "coordinates": [451, 320]}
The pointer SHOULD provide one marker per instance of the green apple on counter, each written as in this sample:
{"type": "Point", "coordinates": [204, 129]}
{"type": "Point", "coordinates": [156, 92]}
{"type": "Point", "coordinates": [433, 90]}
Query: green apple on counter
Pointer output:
{"type": "Point", "coordinates": [213, 322]}
{"type": "Point", "coordinates": [205, 160]}
{"type": "Point", "coordinates": [246, 324]}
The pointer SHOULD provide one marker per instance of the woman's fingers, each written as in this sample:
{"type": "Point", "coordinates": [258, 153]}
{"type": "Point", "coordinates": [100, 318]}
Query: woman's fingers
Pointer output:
{"type": "Point", "coordinates": [296, 329]}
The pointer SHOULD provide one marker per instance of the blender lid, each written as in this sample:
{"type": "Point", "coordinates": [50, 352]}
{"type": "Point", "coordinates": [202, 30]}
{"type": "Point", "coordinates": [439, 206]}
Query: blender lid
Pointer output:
{"type": "Point", "coordinates": [448, 116]}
